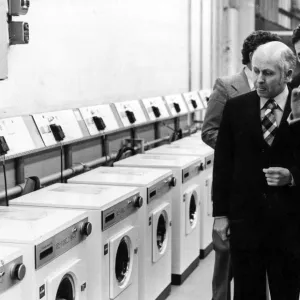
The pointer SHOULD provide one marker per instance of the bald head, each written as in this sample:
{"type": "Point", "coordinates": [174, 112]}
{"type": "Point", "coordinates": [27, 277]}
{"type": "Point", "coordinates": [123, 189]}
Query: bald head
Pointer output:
{"type": "Point", "coordinates": [278, 53]}
{"type": "Point", "coordinates": [272, 64]}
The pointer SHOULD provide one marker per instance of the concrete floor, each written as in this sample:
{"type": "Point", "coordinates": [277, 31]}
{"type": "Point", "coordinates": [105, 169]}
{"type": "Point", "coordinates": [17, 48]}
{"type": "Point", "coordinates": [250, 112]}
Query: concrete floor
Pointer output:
{"type": "Point", "coordinates": [198, 285]}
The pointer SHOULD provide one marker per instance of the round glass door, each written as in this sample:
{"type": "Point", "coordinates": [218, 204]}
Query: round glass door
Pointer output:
{"type": "Point", "coordinates": [161, 232]}
{"type": "Point", "coordinates": [66, 289]}
{"type": "Point", "coordinates": [123, 260]}
{"type": "Point", "coordinates": [193, 211]}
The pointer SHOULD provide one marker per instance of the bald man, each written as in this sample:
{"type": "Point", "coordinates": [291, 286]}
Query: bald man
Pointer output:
{"type": "Point", "coordinates": [256, 180]}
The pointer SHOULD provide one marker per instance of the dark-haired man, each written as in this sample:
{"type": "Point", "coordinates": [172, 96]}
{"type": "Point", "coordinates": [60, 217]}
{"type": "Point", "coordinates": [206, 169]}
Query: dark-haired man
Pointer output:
{"type": "Point", "coordinates": [224, 89]}
{"type": "Point", "coordinates": [296, 42]}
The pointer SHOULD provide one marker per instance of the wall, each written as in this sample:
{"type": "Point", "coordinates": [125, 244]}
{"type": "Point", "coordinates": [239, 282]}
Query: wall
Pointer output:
{"type": "Point", "coordinates": [90, 52]}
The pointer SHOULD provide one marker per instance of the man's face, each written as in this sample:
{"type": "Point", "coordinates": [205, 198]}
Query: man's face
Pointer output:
{"type": "Point", "coordinates": [297, 49]}
{"type": "Point", "coordinates": [269, 79]}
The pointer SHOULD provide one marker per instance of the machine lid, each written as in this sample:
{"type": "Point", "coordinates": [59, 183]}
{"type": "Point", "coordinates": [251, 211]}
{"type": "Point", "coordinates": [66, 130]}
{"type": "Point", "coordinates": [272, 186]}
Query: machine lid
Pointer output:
{"type": "Point", "coordinates": [122, 175]}
{"type": "Point", "coordinates": [81, 196]}
{"type": "Point", "coordinates": [32, 225]}
{"type": "Point", "coordinates": [201, 151]}
{"type": "Point", "coordinates": [8, 253]}
{"type": "Point", "coordinates": [159, 161]}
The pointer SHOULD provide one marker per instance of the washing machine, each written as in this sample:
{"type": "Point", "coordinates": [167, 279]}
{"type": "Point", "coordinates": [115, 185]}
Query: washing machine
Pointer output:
{"type": "Point", "coordinates": [12, 273]}
{"type": "Point", "coordinates": [206, 153]}
{"type": "Point", "coordinates": [53, 245]}
{"type": "Point", "coordinates": [112, 256]}
{"type": "Point", "coordinates": [185, 207]}
{"type": "Point", "coordinates": [155, 225]}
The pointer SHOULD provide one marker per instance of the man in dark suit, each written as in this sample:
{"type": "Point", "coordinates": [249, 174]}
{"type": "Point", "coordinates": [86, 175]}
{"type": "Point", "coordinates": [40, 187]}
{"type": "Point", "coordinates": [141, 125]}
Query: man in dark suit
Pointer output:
{"type": "Point", "coordinates": [225, 88]}
{"type": "Point", "coordinates": [296, 42]}
{"type": "Point", "coordinates": [256, 181]}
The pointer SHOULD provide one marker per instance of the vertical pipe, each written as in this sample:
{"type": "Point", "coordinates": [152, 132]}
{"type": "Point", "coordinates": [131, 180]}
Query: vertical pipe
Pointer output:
{"type": "Point", "coordinates": [20, 173]}
{"type": "Point", "coordinates": [68, 159]}
{"type": "Point", "coordinates": [190, 44]}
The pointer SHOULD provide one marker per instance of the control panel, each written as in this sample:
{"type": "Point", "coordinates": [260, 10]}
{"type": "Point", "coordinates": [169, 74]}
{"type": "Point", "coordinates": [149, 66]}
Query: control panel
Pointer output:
{"type": "Point", "coordinates": [130, 112]}
{"type": "Point", "coordinates": [16, 135]}
{"type": "Point", "coordinates": [120, 211]}
{"type": "Point", "coordinates": [193, 101]}
{"type": "Point", "coordinates": [205, 94]}
{"type": "Point", "coordinates": [61, 242]}
{"type": "Point", "coordinates": [11, 272]}
{"type": "Point", "coordinates": [155, 108]}
{"type": "Point", "coordinates": [191, 171]}
{"type": "Point", "coordinates": [176, 105]}
{"type": "Point", "coordinates": [64, 119]}
{"type": "Point", "coordinates": [160, 188]}
{"type": "Point", "coordinates": [99, 118]}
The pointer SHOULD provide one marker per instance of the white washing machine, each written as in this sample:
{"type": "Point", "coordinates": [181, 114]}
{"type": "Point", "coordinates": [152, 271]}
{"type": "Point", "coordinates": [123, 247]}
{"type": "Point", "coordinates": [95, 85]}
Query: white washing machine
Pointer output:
{"type": "Point", "coordinates": [185, 208]}
{"type": "Point", "coordinates": [155, 231]}
{"type": "Point", "coordinates": [12, 273]}
{"type": "Point", "coordinates": [54, 248]}
{"type": "Point", "coordinates": [206, 153]}
{"type": "Point", "coordinates": [112, 256]}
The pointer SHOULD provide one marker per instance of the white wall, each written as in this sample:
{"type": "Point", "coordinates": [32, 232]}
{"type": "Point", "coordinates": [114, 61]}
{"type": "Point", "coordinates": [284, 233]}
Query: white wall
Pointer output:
{"type": "Point", "coordinates": [96, 51]}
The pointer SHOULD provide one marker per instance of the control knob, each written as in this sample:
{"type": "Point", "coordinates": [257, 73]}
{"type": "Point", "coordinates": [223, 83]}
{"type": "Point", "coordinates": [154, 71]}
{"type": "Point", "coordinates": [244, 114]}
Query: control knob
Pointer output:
{"type": "Point", "coordinates": [18, 272]}
{"type": "Point", "coordinates": [201, 167]}
{"type": "Point", "coordinates": [138, 202]}
{"type": "Point", "coordinates": [172, 182]}
{"type": "Point", "coordinates": [86, 228]}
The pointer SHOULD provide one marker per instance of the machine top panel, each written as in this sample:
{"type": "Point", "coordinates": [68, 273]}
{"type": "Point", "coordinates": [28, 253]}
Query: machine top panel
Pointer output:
{"type": "Point", "coordinates": [32, 225]}
{"type": "Point", "coordinates": [81, 196]}
{"type": "Point", "coordinates": [8, 253]}
{"type": "Point", "coordinates": [128, 176]}
{"type": "Point", "coordinates": [195, 150]}
{"type": "Point", "coordinates": [159, 161]}
{"type": "Point", "coordinates": [189, 140]}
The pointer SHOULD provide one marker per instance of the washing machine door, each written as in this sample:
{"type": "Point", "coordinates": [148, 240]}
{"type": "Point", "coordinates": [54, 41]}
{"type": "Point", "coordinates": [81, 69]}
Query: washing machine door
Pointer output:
{"type": "Point", "coordinates": [122, 260]}
{"type": "Point", "coordinates": [208, 195]}
{"type": "Point", "coordinates": [68, 283]}
{"type": "Point", "coordinates": [191, 197]}
{"type": "Point", "coordinates": [161, 233]}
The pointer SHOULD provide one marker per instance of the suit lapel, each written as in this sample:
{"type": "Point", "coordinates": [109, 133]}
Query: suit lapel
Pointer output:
{"type": "Point", "coordinates": [252, 117]}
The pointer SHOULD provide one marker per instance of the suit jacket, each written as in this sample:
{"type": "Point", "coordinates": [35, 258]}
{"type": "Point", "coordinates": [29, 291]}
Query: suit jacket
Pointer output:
{"type": "Point", "coordinates": [240, 190]}
{"type": "Point", "coordinates": [224, 89]}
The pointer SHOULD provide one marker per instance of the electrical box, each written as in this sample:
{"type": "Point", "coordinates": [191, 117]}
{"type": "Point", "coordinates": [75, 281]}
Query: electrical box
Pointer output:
{"type": "Point", "coordinates": [4, 41]}
{"type": "Point", "coordinates": [66, 126]}
{"type": "Point", "coordinates": [18, 7]}
{"type": "Point", "coordinates": [130, 112]}
{"type": "Point", "coordinates": [17, 135]}
{"type": "Point", "coordinates": [155, 108]}
{"type": "Point", "coordinates": [205, 94]}
{"type": "Point", "coordinates": [176, 105]}
{"type": "Point", "coordinates": [92, 114]}
{"type": "Point", "coordinates": [18, 33]}
{"type": "Point", "coordinates": [193, 101]}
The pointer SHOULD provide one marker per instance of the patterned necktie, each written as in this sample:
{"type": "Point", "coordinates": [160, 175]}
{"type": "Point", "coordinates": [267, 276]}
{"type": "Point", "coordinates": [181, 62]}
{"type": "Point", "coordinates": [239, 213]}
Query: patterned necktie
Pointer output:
{"type": "Point", "coordinates": [269, 125]}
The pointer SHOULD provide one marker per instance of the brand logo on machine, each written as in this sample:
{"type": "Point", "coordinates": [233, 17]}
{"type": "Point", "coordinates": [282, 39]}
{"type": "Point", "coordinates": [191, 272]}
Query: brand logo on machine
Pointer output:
{"type": "Point", "coordinates": [66, 240]}
{"type": "Point", "coordinates": [105, 249]}
{"type": "Point", "coordinates": [42, 291]}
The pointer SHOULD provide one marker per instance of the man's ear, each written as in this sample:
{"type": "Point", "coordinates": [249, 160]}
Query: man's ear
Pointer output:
{"type": "Point", "coordinates": [289, 75]}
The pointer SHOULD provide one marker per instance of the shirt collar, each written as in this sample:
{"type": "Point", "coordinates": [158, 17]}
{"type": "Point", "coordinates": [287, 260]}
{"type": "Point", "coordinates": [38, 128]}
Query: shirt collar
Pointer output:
{"type": "Point", "coordinates": [248, 73]}
{"type": "Point", "coordinates": [279, 99]}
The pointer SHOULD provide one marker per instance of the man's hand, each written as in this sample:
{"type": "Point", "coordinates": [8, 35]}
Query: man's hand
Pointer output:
{"type": "Point", "coordinates": [295, 102]}
{"type": "Point", "coordinates": [277, 176]}
{"type": "Point", "coordinates": [221, 226]}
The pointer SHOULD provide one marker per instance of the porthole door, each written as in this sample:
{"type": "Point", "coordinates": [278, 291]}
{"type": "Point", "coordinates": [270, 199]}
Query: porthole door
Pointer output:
{"type": "Point", "coordinates": [66, 283]}
{"type": "Point", "coordinates": [191, 198]}
{"type": "Point", "coordinates": [122, 260]}
{"type": "Point", "coordinates": [161, 235]}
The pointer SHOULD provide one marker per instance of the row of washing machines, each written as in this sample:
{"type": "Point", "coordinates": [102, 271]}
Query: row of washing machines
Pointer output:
{"type": "Point", "coordinates": [126, 232]}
